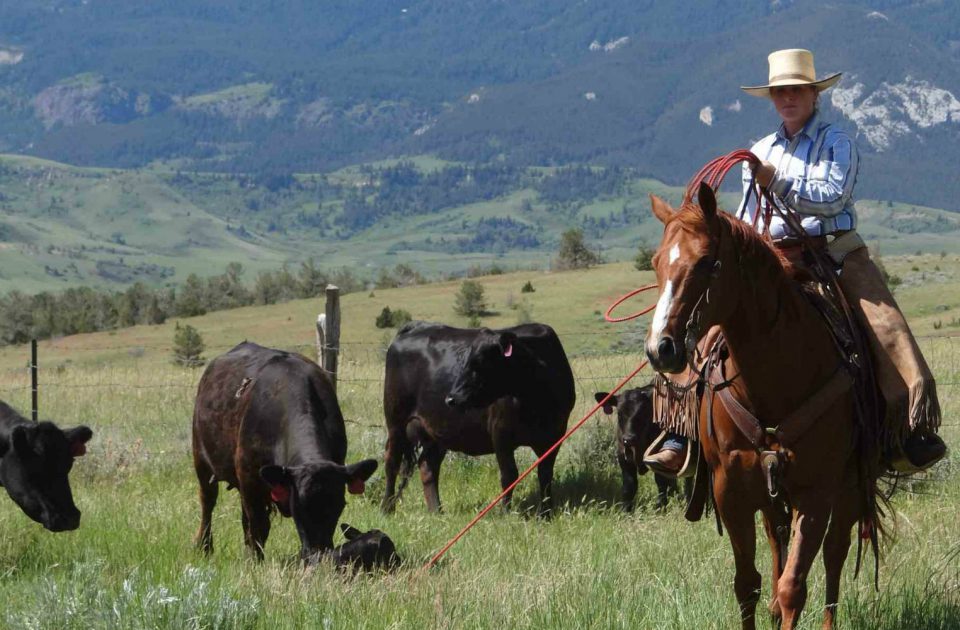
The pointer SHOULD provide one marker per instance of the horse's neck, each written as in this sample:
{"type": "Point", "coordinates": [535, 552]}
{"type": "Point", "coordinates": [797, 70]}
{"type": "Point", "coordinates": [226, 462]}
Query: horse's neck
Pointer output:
{"type": "Point", "coordinates": [778, 344]}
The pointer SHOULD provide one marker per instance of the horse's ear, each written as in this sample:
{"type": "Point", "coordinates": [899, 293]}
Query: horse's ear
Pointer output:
{"type": "Point", "coordinates": [707, 201]}
{"type": "Point", "coordinates": [661, 209]}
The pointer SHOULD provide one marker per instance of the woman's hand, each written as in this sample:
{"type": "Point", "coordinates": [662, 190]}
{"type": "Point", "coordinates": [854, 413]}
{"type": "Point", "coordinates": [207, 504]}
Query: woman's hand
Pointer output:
{"type": "Point", "coordinates": [764, 172]}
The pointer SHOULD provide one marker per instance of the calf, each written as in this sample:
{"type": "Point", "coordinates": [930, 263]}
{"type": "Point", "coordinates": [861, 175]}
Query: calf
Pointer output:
{"type": "Point", "coordinates": [35, 460]}
{"type": "Point", "coordinates": [365, 551]}
{"type": "Point", "coordinates": [475, 391]}
{"type": "Point", "coordinates": [268, 423]}
{"type": "Point", "coordinates": [635, 432]}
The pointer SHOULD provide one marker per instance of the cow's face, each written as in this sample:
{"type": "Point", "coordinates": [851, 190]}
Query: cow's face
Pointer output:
{"type": "Point", "coordinates": [488, 371]}
{"type": "Point", "coordinates": [313, 494]}
{"type": "Point", "coordinates": [34, 466]}
{"type": "Point", "coordinates": [634, 421]}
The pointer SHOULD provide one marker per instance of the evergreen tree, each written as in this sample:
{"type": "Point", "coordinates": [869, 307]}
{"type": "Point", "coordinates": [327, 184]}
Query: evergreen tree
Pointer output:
{"type": "Point", "coordinates": [469, 302]}
{"type": "Point", "coordinates": [573, 252]}
{"type": "Point", "coordinates": [188, 346]}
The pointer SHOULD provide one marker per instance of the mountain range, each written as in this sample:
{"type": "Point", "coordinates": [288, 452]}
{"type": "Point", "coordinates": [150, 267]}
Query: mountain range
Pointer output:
{"type": "Point", "coordinates": [301, 85]}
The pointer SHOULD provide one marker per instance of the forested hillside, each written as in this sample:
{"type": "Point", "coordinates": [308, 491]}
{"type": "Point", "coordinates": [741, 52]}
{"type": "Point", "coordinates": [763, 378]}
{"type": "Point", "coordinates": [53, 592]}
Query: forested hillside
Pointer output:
{"type": "Point", "coordinates": [271, 87]}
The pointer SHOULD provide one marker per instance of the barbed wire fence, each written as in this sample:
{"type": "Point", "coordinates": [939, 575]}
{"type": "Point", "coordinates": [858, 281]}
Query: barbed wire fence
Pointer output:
{"type": "Point", "coordinates": [360, 363]}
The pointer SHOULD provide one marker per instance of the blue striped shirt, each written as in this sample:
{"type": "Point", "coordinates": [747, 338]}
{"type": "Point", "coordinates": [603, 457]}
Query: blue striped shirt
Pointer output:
{"type": "Point", "coordinates": [816, 173]}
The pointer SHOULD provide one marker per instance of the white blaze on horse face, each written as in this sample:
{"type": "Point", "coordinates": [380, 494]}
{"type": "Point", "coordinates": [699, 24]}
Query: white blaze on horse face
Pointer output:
{"type": "Point", "coordinates": [674, 253]}
{"type": "Point", "coordinates": [664, 305]}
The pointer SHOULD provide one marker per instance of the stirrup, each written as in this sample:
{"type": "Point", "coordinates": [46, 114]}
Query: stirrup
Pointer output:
{"type": "Point", "coordinates": [686, 470]}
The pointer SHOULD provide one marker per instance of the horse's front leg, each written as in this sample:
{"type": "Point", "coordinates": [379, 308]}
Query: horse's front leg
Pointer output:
{"type": "Point", "coordinates": [737, 516]}
{"type": "Point", "coordinates": [811, 516]}
{"type": "Point", "coordinates": [773, 518]}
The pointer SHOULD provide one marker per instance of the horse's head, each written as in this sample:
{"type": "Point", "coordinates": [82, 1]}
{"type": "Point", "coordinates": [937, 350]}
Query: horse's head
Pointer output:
{"type": "Point", "coordinates": [687, 264]}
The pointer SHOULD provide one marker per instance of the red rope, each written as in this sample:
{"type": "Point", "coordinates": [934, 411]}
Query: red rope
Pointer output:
{"type": "Point", "coordinates": [566, 435]}
{"type": "Point", "coordinates": [616, 320]}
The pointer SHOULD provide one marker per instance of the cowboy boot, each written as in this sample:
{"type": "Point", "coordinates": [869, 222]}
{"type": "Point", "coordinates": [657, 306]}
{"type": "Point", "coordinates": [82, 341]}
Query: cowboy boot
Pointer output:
{"type": "Point", "coordinates": [923, 450]}
{"type": "Point", "coordinates": [667, 461]}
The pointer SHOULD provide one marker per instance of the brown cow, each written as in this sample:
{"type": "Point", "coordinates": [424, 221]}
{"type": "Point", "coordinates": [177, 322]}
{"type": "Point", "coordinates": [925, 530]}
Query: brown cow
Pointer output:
{"type": "Point", "coordinates": [268, 423]}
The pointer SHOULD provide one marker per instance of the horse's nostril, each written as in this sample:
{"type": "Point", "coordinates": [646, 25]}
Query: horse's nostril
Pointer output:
{"type": "Point", "coordinates": [666, 349]}
{"type": "Point", "coordinates": [449, 401]}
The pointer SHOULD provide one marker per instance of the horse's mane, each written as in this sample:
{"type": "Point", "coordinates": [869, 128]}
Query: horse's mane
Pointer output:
{"type": "Point", "coordinates": [748, 243]}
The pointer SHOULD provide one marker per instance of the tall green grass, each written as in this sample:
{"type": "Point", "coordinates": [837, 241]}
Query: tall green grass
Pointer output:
{"type": "Point", "coordinates": [132, 563]}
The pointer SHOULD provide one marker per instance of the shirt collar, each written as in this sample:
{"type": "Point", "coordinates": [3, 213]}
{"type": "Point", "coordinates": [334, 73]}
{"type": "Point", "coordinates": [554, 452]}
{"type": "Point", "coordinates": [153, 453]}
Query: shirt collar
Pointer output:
{"type": "Point", "coordinates": [809, 129]}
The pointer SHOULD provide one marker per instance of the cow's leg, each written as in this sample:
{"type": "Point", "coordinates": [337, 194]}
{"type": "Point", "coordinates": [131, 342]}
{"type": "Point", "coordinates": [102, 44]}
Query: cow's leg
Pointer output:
{"type": "Point", "coordinates": [628, 472]}
{"type": "Point", "coordinates": [209, 489]}
{"type": "Point", "coordinates": [812, 514]}
{"type": "Point", "coordinates": [256, 525]}
{"type": "Point", "coordinates": [665, 487]}
{"type": "Point", "coordinates": [545, 477]}
{"type": "Point", "coordinates": [430, 459]}
{"type": "Point", "coordinates": [508, 469]}
{"type": "Point", "coordinates": [836, 545]}
{"type": "Point", "coordinates": [397, 451]}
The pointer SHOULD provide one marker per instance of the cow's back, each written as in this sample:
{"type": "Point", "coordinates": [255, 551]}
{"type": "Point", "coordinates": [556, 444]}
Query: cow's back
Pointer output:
{"type": "Point", "coordinates": [422, 365]}
{"type": "Point", "coordinates": [229, 410]}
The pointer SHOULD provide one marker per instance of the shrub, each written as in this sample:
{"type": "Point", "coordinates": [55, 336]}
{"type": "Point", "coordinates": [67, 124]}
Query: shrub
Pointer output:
{"type": "Point", "coordinates": [392, 319]}
{"type": "Point", "coordinates": [644, 258]}
{"type": "Point", "coordinates": [188, 346]}
{"type": "Point", "coordinates": [527, 288]}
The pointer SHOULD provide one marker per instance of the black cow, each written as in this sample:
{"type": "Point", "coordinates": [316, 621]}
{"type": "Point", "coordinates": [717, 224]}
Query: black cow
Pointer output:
{"type": "Point", "coordinates": [35, 460]}
{"type": "Point", "coordinates": [365, 550]}
{"type": "Point", "coordinates": [475, 391]}
{"type": "Point", "coordinates": [268, 423]}
{"type": "Point", "coordinates": [635, 432]}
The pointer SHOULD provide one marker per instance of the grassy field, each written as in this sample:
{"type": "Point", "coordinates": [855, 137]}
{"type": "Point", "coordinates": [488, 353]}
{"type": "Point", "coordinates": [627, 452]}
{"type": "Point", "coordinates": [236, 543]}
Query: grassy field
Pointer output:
{"type": "Point", "coordinates": [132, 564]}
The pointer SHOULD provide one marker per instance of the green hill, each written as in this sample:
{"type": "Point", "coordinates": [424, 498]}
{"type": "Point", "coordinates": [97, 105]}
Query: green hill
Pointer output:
{"type": "Point", "coordinates": [63, 226]}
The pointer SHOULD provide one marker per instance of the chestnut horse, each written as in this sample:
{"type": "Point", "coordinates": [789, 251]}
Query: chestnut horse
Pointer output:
{"type": "Point", "coordinates": [719, 272]}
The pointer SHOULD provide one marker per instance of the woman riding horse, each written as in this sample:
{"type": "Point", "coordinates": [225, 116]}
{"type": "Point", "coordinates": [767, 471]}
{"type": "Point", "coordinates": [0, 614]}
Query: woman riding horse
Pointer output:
{"type": "Point", "coordinates": [811, 166]}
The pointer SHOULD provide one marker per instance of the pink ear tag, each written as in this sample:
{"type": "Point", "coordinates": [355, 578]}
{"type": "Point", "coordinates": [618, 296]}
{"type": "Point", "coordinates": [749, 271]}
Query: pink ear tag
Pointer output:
{"type": "Point", "coordinates": [608, 409]}
{"type": "Point", "coordinates": [78, 448]}
{"type": "Point", "coordinates": [509, 351]}
{"type": "Point", "coordinates": [279, 494]}
{"type": "Point", "coordinates": [356, 486]}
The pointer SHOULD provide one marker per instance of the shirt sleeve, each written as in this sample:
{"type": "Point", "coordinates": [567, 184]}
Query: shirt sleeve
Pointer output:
{"type": "Point", "coordinates": [828, 185]}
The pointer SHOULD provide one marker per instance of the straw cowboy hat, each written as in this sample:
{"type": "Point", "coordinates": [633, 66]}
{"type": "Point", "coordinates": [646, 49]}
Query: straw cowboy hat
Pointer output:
{"type": "Point", "coordinates": [793, 66]}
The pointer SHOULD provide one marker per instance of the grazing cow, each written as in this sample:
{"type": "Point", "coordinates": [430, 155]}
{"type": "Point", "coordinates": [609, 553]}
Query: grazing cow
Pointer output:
{"type": "Point", "coordinates": [635, 432]}
{"type": "Point", "coordinates": [35, 460]}
{"type": "Point", "coordinates": [268, 423]}
{"type": "Point", "coordinates": [475, 391]}
{"type": "Point", "coordinates": [365, 551]}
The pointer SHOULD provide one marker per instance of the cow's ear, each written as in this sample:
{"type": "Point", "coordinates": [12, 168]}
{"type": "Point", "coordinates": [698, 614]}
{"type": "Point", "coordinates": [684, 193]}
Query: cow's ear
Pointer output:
{"type": "Point", "coordinates": [358, 473]}
{"type": "Point", "coordinates": [507, 342]}
{"type": "Point", "coordinates": [610, 404]}
{"type": "Point", "coordinates": [349, 531]}
{"type": "Point", "coordinates": [20, 441]}
{"type": "Point", "coordinates": [276, 475]}
{"type": "Point", "coordinates": [78, 438]}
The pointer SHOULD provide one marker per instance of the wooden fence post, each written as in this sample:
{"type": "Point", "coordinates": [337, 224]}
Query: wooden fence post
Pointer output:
{"type": "Point", "coordinates": [328, 334]}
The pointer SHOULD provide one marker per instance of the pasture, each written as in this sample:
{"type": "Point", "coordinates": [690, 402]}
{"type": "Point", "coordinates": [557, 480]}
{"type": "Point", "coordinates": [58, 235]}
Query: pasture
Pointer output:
{"type": "Point", "coordinates": [132, 563]}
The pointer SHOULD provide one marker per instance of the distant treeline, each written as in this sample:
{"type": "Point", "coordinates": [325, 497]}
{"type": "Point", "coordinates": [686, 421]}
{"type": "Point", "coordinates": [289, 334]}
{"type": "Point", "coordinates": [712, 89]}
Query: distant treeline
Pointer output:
{"type": "Point", "coordinates": [84, 309]}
